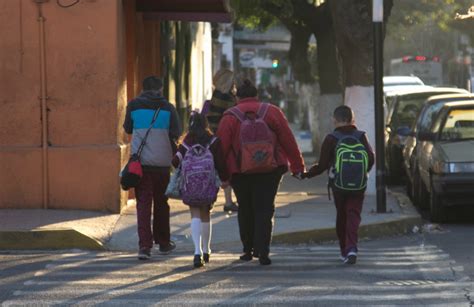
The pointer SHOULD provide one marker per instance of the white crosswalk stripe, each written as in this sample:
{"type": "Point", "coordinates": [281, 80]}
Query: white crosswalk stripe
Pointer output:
{"type": "Point", "coordinates": [298, 276]}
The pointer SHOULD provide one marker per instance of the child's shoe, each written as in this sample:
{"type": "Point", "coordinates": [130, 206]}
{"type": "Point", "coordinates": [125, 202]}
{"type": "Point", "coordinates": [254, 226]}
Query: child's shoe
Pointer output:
{"type": "Point", "coordinates": [351, 258]}
{"type": "Point", "coordinates": [205, 257]}
{"type": "Point", "coordinates": [198, 262]}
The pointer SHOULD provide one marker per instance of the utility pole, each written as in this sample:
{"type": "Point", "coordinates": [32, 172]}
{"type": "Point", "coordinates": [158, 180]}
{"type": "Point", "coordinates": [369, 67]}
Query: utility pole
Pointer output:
{"type": "Point", "coordinates": [377, 18]}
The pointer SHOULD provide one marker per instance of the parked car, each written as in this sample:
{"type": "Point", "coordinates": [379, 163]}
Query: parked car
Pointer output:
{"type": "Point", "coordinates": [402, 113]}
{"type": "Point", "coordinates": [423, 124]}
{"type": "Point", "coordinates": [394, 81]}
{"type": "Point", "coordinates": [446, 159]}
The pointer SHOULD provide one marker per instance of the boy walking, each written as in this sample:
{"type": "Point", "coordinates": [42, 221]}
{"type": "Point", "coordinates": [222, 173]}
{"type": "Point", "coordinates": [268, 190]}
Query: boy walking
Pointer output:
{"type": "Point", "coordinates": [347, 156]}
{"type": "Point", "coordinates": [151, 108]}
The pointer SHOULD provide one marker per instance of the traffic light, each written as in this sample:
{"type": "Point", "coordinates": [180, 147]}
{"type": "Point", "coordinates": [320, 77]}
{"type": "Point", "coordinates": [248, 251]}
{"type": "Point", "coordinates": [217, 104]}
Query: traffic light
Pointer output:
{"type": "Point", "coordinates": [275, 63]}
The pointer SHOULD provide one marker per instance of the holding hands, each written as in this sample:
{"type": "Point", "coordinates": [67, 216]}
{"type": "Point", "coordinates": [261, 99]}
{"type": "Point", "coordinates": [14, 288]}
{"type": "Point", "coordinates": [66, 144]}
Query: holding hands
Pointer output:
{"type": "Point", "coordinates": [301, 175]}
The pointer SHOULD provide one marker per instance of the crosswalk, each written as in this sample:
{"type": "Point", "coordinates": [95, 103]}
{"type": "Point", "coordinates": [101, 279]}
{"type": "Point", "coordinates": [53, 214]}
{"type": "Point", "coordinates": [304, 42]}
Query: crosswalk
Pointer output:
{"type": "Point", "coordinates": [306, 275]}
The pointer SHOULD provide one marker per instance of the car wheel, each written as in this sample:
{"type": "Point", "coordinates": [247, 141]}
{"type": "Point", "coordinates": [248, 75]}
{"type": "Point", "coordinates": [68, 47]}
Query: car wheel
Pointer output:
{"type": "Point", "coordinates": [437, 211]}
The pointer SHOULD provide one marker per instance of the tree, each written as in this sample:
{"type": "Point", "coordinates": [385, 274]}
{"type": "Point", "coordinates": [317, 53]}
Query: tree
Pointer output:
{"type": "Point", "coordinates": [303, 19]}
{"type": "Point", "coordinates": [353, 27]}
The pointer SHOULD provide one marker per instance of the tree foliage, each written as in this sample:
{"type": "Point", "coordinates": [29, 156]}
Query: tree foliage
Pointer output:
{"type": "Point", "coordinates": [424, 27]}
{"type": "Point", "coordinates": [303, 19]}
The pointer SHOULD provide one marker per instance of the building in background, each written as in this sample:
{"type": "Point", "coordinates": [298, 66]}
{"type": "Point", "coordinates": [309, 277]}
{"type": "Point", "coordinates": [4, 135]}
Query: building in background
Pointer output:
{"type": "Point", "coordinates": [67, 70]}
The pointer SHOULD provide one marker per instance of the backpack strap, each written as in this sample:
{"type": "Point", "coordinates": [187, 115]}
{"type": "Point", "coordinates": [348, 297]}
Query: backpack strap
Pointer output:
{"type": "Point", "coordinates": [186, 146]}
{"type": "Point", "coordinates": [262, 110]}
{"type": "Point", "coordinates": [211, 142]}
{"type": "Point", "coordinates": [357, 134]}
{"type": "Point", "coordinates": [337, 135]}
{"type": "Point", "coordinates": [237, 113]}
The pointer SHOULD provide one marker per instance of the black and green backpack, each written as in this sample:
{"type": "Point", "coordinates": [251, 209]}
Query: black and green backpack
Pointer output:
{"type": "Point", "coordinates": [349, 172]}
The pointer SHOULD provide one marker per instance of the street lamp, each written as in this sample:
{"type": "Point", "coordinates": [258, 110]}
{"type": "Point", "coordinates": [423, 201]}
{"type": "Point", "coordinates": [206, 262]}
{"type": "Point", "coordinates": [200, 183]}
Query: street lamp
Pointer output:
{"type": "Point", "coordinates": [377, 18]}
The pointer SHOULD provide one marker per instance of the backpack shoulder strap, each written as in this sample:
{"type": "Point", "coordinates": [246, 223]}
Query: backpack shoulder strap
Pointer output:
{"type": "Point", "coordinates": [186, 146]}
{"type": "Point", "coordinates": [213, 139]}
{"type": "Point", "coordinates": [262, 110]}
{"type": "Point", "coordinates": [237, 113]}
{"type": "Point", "coordinates": [358, 134]}
{"type": "Point", "coordinates": [337, 135]}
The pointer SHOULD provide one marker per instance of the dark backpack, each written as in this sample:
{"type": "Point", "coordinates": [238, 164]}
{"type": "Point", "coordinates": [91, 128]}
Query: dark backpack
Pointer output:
{"type": "Point", "coordinates": [349, 172]}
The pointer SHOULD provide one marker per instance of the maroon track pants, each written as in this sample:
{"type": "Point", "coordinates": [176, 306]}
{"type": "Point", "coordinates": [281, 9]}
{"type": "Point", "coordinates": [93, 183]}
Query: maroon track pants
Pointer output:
{"type": "Point", "coordinates": [349, 207]}
{"type": "Point", "coordinates": [152, 190]}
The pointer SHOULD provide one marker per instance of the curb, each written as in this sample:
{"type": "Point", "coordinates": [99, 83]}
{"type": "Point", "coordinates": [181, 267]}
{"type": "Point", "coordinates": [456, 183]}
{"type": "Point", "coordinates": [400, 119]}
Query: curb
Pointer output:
{"type": "Point", "coordinates": [377, 230]}
{"type": "Point", "coordinates": [372, 231]}
{"type": "Point", "coordinates": [48, 239]}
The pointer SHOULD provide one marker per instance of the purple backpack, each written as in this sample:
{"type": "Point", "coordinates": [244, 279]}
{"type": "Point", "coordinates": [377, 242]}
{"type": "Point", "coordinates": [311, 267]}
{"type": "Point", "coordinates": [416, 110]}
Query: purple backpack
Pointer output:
{"type": "Point", "coordinates": [199, 186]}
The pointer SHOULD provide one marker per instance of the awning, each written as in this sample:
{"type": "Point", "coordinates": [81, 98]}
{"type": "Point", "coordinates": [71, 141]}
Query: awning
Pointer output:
{"type": "Point", "coordinates": [185, 10]}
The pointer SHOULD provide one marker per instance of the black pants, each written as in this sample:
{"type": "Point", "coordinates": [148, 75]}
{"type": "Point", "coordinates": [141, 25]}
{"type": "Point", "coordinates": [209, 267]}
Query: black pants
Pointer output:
{"type": "Point", "coordinates": [256, 197]}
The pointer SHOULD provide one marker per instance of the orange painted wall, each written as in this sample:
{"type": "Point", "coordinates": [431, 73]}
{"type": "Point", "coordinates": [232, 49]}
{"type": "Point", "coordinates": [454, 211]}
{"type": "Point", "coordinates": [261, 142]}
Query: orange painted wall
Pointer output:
{"type": "Point", "coordinates": [86, 82]}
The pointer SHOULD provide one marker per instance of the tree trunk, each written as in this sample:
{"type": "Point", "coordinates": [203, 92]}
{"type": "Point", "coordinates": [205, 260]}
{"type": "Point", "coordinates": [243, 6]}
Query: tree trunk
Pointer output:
{"type": "Point", "coordinates": [353, 27]}
{"type": "Point", "coordinates": [298, 54]}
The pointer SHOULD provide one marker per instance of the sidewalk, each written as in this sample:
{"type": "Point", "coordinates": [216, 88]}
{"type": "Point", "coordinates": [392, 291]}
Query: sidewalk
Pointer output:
{"type": "Point", "coordinates": [303, 214]}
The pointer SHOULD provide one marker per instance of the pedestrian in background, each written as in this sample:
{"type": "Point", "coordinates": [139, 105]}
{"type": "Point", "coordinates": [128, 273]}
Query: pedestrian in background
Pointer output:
{"type": "Point", "coordinates": [222, 99]}
{"type": "Point", "coordinates": [256, 178]}
{"type": "Point", "coordinates": [347, 156]}
{"type": "Point", "coordinates": [201, 224]}
{"type": "Point", "coordinates": [156, 161]}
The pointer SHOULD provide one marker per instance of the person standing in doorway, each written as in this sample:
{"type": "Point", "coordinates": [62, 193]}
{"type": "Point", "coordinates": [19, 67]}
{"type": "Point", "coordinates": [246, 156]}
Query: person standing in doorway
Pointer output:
{"type": "Point", "coordinates": [156, 161]}
{"type": "Point", "coordinates": [222, 99]}
{"type": "Point", "coordinates": [258, 145]}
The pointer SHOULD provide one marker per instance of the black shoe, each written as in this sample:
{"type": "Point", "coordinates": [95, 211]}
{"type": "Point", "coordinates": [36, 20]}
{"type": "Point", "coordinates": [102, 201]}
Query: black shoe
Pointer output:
{"type": "Point", "coordinates": [205, 257]}
{"type": "Point", "coordinates": [168, 248]}
{"type": "Point", "coordinates": [351, 258]}
{"type": "Point", "coordinates": [231, 207]}
{"type": "Point", "coordinates": [246, 257]}
{"type": "Point", "coordinates": [144, 254]}
{"type": "Point", "coordinates": [264, 260]}
{"type": "Point", "coordinates": [198, 262]}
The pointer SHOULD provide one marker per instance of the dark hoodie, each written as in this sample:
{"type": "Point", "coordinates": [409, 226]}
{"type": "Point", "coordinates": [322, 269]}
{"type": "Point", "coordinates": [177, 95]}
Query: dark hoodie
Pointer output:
{"type": "Point", "coordinates": [161, 142]}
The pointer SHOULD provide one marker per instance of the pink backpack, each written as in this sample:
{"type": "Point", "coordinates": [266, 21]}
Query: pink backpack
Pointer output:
{"type": "Point", "coordinates": [257, 141]}
{"type": "Point", "coordinates": [199, 185]}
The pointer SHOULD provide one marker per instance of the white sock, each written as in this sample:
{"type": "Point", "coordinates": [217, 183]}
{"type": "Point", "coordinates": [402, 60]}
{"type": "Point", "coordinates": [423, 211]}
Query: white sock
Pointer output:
{"type": "Point", "coordinates": [206, 232]}
{"type": "Point", "coordinates": [196, 234]}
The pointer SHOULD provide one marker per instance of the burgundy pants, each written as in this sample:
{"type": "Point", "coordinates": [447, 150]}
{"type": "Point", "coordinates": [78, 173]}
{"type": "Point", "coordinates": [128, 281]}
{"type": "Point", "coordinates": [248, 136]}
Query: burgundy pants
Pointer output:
{"type": "Point", "coordinates": [152, 190]}
{"type": "Point", "coordinates": [349, 207]}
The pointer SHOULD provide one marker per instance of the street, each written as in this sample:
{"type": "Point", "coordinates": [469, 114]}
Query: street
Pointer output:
{"type": "Point", "coordinates": [423, 269]}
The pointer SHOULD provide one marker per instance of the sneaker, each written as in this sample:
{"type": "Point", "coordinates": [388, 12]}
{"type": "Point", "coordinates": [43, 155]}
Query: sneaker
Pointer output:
{"type": "Point", "coordinates": [343, 258]}
{"type": "Point", "coordinates": [246, 257]}
{"type": "Point", "coordinates": [351, 258]}
{"type": "Point", "coordinates": [198, 262]}
{"type": "Point", "coordinates": [264, 260]}
{"type": "Point", "coordinates": [205, 257]}
{"type": "Point", "coordinates": [167, 249]}
{"type": "Point", "coordinates": [144, 254]}
{"type": "Point", "coordinates": [231, 207]}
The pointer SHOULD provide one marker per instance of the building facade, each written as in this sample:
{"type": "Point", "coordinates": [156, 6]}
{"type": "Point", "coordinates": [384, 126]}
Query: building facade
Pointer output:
{"type": "Point", "coordinates": [67, 70]}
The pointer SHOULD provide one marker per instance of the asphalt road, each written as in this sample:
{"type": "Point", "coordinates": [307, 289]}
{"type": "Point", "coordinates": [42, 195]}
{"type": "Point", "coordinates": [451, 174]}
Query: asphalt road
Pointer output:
{"type": "Point", "coordinates": [420, 269]}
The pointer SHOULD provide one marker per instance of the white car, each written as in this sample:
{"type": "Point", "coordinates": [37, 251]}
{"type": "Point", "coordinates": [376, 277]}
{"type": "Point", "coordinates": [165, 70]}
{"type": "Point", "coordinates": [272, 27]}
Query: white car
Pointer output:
{"type": "Point", "coordinates": [391, 83]}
